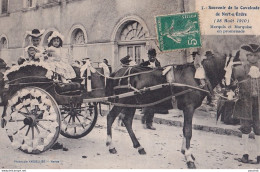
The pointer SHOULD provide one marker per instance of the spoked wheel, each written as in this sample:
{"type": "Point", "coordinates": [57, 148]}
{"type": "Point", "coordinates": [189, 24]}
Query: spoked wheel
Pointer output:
{"type": "Point", "coordinates": [77, 120]}
{"type": "Point", "coordinates": [33, 120]}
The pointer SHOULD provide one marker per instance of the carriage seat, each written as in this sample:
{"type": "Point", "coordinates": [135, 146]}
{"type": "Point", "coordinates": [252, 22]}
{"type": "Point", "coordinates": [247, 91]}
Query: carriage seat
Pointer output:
{"type": "Point", "coordinates": [68, 88]}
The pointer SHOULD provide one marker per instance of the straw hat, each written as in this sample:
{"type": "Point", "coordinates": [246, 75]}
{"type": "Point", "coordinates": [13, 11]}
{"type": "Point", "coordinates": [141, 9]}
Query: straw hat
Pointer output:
{"type": "Point", "coordinates": [55, 34]}
{"type": "Point", "coordinates": [35, 33]}
{"type": "Point", "coordinates": [32, 46]}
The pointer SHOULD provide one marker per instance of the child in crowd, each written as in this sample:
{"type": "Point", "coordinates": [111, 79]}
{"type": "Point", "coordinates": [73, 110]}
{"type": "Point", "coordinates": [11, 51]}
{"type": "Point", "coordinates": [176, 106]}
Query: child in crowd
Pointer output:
{"type": "Point", "coordinates": [31, 51]}
{"type": "Point", "coordinates": [59, 58]}
{"type": "Point", "coordinates": [200, 72]}
{"type": "Point", "coordinates": [36, 35]}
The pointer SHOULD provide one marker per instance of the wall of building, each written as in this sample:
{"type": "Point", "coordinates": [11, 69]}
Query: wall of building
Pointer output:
{"type": "Point", "coordinates": [99, 18]}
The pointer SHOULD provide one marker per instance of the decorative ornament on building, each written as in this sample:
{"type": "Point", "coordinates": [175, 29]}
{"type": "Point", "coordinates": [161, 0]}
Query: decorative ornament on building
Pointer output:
{"type": "Point", "coordinates": [79, 37]}
{"type": "Point", "coordinates": [132, 31]}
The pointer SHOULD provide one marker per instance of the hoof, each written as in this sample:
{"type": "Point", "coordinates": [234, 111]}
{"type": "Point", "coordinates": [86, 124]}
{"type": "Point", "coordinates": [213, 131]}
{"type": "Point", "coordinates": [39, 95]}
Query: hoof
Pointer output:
{"type": "Point", "coordinates": [3, 123]}
{"type": "Point", "coordinates": [191, 165]}
{"type": "Point", "coordinates": [113, 151]}
{"type": "Point", "coordinates": [183, 151]}
{"type": "Point", "coordinates": [142, 151]}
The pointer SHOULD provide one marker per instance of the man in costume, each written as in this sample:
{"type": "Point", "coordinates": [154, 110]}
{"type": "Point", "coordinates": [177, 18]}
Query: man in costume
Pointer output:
{"type": "Point", "coordinates": [247, 107]}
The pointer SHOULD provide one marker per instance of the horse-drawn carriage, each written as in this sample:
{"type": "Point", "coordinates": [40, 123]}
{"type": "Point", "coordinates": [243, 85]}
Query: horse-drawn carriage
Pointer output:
{"type": "Point", "coordinates": [37, 108]}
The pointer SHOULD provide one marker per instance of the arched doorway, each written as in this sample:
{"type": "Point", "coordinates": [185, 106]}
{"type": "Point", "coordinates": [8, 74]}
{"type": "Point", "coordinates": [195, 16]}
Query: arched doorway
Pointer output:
{"type": "Point", "coordinates": [130, 37]}
{"type": "Point", "coordinates": [78, 43]}
{"type": "Point", "coordinates": [132, 41]}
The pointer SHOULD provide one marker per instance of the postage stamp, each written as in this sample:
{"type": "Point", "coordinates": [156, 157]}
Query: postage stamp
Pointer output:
{"type": "Point", "coordinates": [178, 31]}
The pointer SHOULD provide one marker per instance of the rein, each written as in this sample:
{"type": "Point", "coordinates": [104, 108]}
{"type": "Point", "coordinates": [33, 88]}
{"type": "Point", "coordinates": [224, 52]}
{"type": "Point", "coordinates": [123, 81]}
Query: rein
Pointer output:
{"type": "Point", "coordinates": [151, 104]}
{"type": "Point", "coordinates": [135, 74]}
{"type": "Point", "coordinates": [110, 99]}
{"type": "Point", "coordinates": [126, 76]}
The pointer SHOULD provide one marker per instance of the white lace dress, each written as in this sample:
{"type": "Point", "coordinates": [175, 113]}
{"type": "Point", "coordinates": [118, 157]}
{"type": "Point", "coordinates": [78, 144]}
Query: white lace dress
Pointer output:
{"type": "Point", "coordinates": [59, 62]}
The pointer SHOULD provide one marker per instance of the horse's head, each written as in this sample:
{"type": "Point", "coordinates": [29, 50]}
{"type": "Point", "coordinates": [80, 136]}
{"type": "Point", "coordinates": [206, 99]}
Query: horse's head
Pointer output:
{"type": "Point", "coordinates": [214, 67]}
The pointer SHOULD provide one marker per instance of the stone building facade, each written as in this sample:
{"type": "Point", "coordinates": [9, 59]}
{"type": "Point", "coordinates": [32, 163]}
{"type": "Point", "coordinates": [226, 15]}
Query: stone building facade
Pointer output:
{"type": "Point", "coordinates": [96, 29]}
{"type": "Point", "coordinates": [101, 29]}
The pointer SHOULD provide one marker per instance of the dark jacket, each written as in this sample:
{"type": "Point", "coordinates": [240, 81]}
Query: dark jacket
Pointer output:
{"type": "Point", "coordinates": [147, 63]}
{"type": "Point", "coordinates": [243, 106]}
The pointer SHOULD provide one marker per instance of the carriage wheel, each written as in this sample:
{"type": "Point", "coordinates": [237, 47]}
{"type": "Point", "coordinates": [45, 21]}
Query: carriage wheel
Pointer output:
{"type": "Point", "coordinates": [33, 120]}
{"type": "Point", "coordinates": [77, 121]}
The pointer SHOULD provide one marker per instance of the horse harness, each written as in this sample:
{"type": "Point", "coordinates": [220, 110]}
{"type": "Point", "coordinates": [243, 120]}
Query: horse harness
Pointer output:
{"type": "Point", "coordinates": [127, 74]}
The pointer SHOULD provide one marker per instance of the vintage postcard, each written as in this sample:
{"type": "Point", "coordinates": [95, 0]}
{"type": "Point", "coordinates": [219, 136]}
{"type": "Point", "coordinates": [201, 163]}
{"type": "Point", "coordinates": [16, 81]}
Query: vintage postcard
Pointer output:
{"type": "Point", "coordinates": [128, 84]}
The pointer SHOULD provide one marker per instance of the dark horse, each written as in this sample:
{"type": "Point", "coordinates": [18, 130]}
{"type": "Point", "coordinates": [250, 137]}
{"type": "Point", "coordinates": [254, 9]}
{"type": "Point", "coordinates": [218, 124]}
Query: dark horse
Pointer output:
{"type": "Point", "coordinates": [188, 102]}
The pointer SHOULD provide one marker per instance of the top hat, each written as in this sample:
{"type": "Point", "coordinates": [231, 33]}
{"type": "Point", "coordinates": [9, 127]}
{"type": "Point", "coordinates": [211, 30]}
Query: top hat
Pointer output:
{"type": "Point", "coordinates": [253, 48]}
{"type": "Point", "coordinates": [55, 34]}
{"type": "Point", "coordinates": [152, 52]}
{"type": "Point", "coordinates": [209, 53]}
{"type": "Point", "coordinates": [35, 33]}
{"type": "Point", "coordinates": [125, 60]}
{"type": "Point", "coordinates": [194, 53]}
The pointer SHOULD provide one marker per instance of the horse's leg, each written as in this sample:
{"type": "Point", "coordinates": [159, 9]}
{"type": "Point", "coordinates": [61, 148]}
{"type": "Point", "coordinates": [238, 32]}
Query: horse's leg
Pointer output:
{"type": "Point", "coordinates": [3, 120]}
{"type": "Point", "coordinates": [128, 120]}
{"type": "Point", "coordinates": [110, 119]}
{"type": "Point", "coordinates": [187, 133]}
{"type": "Point", "coordinates": [183, 147]}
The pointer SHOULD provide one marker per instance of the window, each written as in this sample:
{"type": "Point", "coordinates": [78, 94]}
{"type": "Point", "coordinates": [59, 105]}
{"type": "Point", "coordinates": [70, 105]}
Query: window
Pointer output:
{"type": "Point", "coordinates": [132, 41]}
{"type": "Point", "coordinates": [4, 6]}
{"type": "Point", "coordinates": [138, 54]}
{"type": "Point", "coordinates": [3, 43]}
{"type": "Point", "coordinates": [78, 37]}
{"type": "Point", "coordinates": [132, 31]}
{"type": "Point", "coordinates": [130, 51]}
{"type": "Point", "coordinates": [135, 52]}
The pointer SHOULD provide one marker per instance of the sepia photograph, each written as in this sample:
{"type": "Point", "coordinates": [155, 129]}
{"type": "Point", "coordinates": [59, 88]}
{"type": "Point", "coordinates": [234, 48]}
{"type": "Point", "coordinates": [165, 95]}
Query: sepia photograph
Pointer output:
{"type": "Point", "coordinates": [129, 84]}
